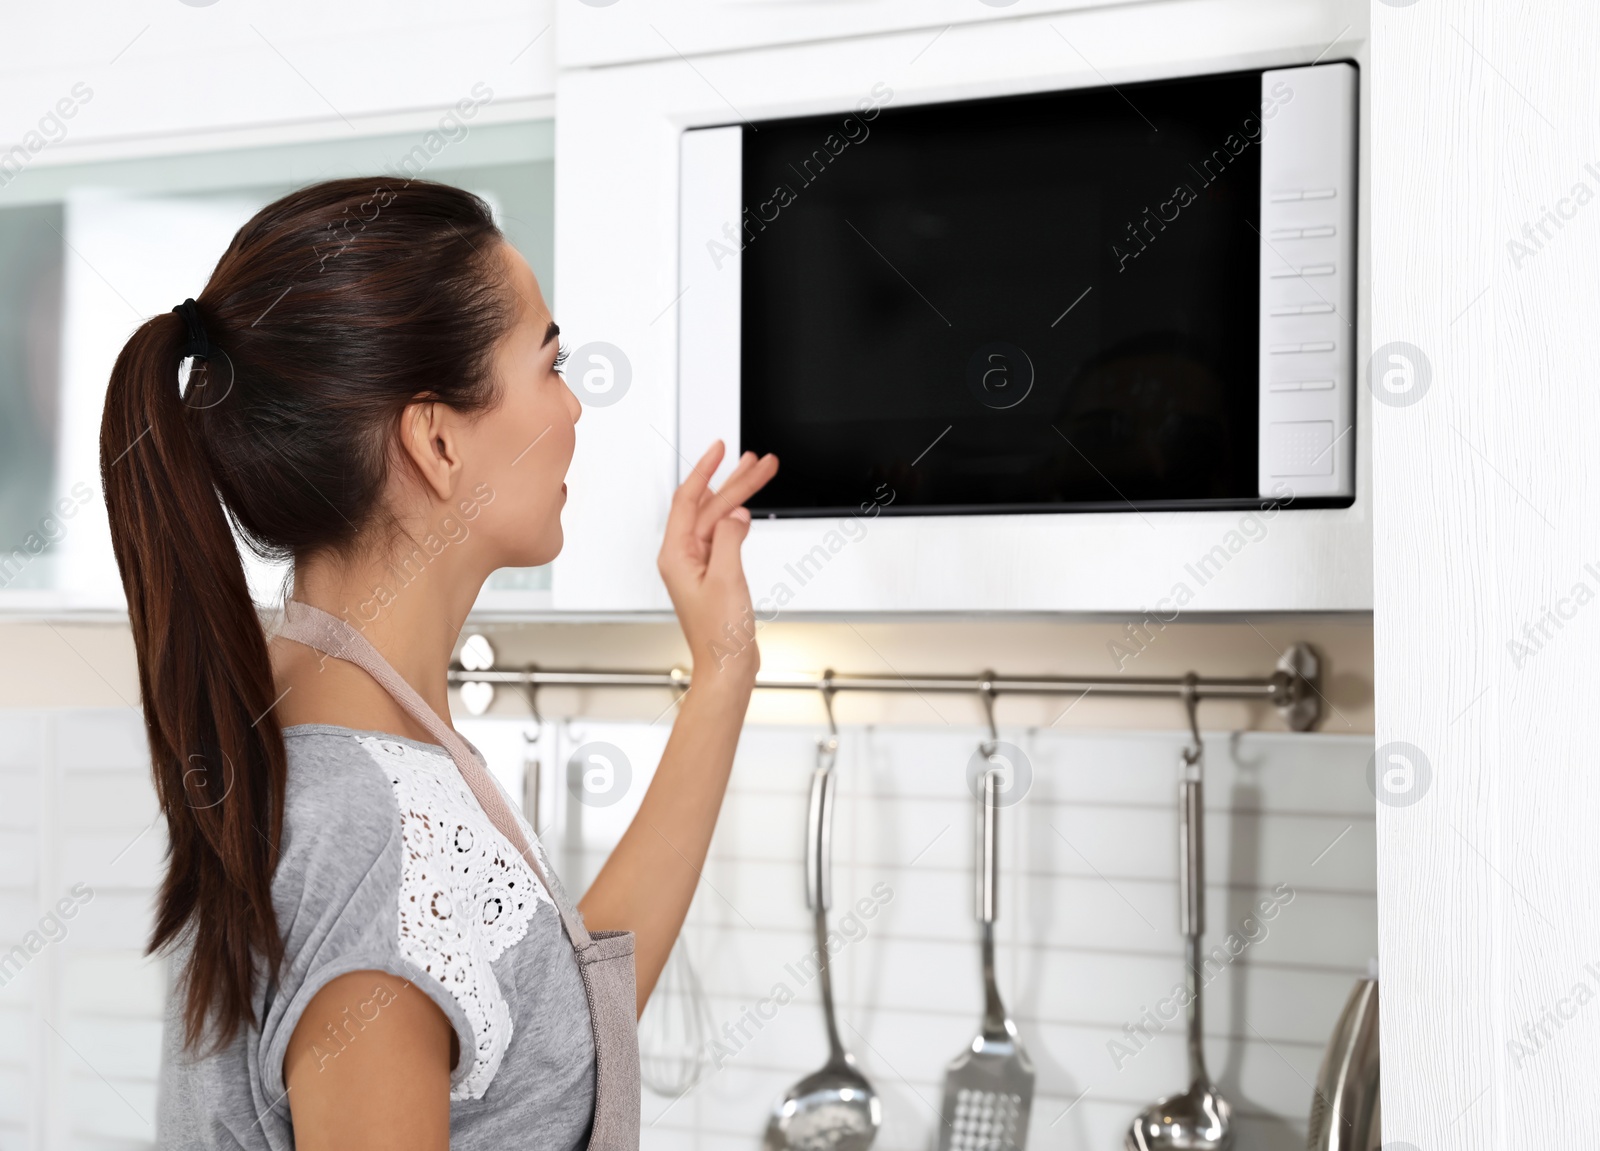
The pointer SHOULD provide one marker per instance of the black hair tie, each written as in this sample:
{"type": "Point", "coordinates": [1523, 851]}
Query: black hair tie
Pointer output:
{"type": "Point", "coordinates": [198, 344]}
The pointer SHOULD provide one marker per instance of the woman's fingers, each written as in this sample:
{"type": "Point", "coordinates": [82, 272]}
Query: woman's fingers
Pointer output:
{"type": "Point", "coordinates": [699, 477]}
{"type": "Point", "coordinates": [749, 481]}
{"type": "Point", "coordinates": [686, 500]}
{"type": "Point", "coordinates": [740, 487]}
{"type": "Point", "coordinates": [746, 462]}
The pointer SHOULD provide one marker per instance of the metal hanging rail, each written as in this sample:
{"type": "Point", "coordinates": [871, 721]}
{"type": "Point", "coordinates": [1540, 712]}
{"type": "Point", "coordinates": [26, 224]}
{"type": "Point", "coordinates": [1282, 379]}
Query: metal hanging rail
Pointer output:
{"type": "Point", "coordinates": [1293, 688]}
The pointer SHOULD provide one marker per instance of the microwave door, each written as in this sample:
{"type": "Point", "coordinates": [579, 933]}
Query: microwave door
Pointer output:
{"type": "Point", "coordinates": [1308, 257]}
{"type": "Point", "coordinates": [1089, 300]}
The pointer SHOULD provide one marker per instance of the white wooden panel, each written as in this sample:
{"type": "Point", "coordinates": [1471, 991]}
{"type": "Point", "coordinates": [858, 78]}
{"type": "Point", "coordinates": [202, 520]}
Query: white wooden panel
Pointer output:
{"type": "Point", "coordinates": [1485, 495]}
{"type": "Point", "coordinates": [617, 260]}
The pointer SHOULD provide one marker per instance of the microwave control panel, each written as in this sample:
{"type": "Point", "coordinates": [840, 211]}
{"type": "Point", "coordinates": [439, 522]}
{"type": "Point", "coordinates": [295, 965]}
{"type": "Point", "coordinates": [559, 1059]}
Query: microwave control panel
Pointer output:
{"type": "Point", "coordinates": [1308, 257]}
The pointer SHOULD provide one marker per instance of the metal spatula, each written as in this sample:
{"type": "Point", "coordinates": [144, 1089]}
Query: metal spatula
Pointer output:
{"type": "Point", "coordinates": [988, 1089]}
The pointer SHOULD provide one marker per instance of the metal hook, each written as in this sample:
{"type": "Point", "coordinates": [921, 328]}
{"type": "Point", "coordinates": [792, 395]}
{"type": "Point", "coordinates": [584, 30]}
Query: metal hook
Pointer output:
{"type": "Point", "coordinates": [986, 692]}
{"type": "Point", "coordinates": [828, 691]}
{"type": "Point", "coordinates": [1191, 701]}
{"type": "Point", "coordinates": [828, 747]}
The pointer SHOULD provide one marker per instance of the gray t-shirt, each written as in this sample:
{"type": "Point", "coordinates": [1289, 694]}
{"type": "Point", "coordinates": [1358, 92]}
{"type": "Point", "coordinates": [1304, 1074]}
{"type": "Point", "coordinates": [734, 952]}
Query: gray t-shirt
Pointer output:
{"type": "Point", "coordinates": [389, 864]}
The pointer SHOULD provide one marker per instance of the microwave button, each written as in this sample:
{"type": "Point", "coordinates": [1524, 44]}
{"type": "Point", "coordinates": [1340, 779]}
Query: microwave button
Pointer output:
{"type": "Point", "coordinates": [1292, 195]}
{"type": "Point", "coordinates": [1301, 448]}
{"type": "Point", "coordinates": [1300, 386]}
{"type": "Point", "coordinates": [1301, 348]}
{"type": "Point", "coordinates": [1302, 273]}
{"type": "Point", "coordinates": [1321, 233]}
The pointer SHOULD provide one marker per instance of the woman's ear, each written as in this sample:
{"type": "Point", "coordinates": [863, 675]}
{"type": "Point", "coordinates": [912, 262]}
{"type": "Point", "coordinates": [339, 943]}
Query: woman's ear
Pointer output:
{"type": "Point", "coordinates": [428, 437]}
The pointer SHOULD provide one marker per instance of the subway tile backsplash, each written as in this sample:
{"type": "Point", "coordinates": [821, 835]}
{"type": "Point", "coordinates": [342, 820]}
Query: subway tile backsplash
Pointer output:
{"type": "Point", "coordinates": [80, 1005]}
{"type": "Point", "coordinates": [1088, 937]}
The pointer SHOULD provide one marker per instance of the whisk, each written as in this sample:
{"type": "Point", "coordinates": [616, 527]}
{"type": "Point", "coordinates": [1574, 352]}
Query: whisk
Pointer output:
{"type": "Point", "coordinates": [675, 1030]}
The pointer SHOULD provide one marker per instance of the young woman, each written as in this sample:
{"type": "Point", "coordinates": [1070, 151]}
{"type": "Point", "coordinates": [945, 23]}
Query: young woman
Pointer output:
{"type": "Point", "coordinates": [368, 946]}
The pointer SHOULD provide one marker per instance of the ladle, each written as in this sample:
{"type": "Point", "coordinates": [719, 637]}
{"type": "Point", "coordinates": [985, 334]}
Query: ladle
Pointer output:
{"type": "Point", "coordinates": [1200, 1119]}
{"type": "Point", "coordinates": [835, 1108]}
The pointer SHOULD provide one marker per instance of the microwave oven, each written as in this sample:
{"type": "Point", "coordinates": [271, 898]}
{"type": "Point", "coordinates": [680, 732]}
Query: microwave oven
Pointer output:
{"type": "Point", "coordinates": [1106, 299]}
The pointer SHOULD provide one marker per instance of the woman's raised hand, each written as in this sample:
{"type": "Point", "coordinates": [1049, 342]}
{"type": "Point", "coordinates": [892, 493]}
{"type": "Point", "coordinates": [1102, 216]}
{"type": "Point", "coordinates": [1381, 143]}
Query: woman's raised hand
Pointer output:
{"type": "Point", "coordinates": [700, 564]}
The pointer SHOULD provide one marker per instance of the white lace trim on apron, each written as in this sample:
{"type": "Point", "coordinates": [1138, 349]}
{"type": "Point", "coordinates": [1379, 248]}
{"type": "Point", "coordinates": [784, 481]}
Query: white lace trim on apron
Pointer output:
{"type": "Point", "coordinates": [466, 895]}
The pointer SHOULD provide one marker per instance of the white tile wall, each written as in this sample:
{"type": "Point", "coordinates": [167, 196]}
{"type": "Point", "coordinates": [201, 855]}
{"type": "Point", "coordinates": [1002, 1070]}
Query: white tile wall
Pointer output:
{"type": "Point", "coordinates": [1088, 935]}
{"type": "Point", "coordinates": [80, 1008]}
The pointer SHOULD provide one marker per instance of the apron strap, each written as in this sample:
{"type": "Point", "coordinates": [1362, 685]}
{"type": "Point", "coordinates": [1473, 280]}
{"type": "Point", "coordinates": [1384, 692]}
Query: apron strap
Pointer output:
{"type": "Point", "coordinates": [330, 635]}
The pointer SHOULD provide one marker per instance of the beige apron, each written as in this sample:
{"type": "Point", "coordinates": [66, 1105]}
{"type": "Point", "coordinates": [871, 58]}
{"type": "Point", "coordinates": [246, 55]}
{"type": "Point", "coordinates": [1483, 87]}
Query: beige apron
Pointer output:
{"type": "Point", "coordinates": [605, 959]}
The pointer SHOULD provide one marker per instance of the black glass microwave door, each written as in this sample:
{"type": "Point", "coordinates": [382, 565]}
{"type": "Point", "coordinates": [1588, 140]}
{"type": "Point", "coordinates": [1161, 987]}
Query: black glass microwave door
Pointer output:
{"type": "Point", "coordinates": [1020, 304]}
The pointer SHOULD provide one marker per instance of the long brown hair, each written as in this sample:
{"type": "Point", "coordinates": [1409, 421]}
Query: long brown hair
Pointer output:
{"type": "Point", "coordinates": [332, 308]}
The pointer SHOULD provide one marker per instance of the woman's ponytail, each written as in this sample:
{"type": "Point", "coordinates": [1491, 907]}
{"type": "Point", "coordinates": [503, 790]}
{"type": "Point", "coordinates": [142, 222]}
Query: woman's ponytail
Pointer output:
{"type": "Point", "coordinates": [204, 676]}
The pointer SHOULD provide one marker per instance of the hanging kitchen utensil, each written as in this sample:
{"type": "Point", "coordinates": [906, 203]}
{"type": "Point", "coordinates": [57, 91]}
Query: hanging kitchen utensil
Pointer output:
{"type": "Point", "coordinates": [533, 763]}
{"type": "Point", "coordinates": [1200, 1119]}
{"type": "Point", "coordinates": [1345, 1107]}
{"type": "Point", "coordinates": [988, 1089]}
{"type": "Point", "coordinates": [675, 1029]}
{"type": "Point", "coordinates": [835, 1108]}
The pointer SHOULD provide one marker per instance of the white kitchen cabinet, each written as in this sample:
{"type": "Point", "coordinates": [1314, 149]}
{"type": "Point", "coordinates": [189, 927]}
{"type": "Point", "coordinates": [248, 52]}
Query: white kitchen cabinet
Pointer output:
{"type": "Point", "coordinates": [190, 78]}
